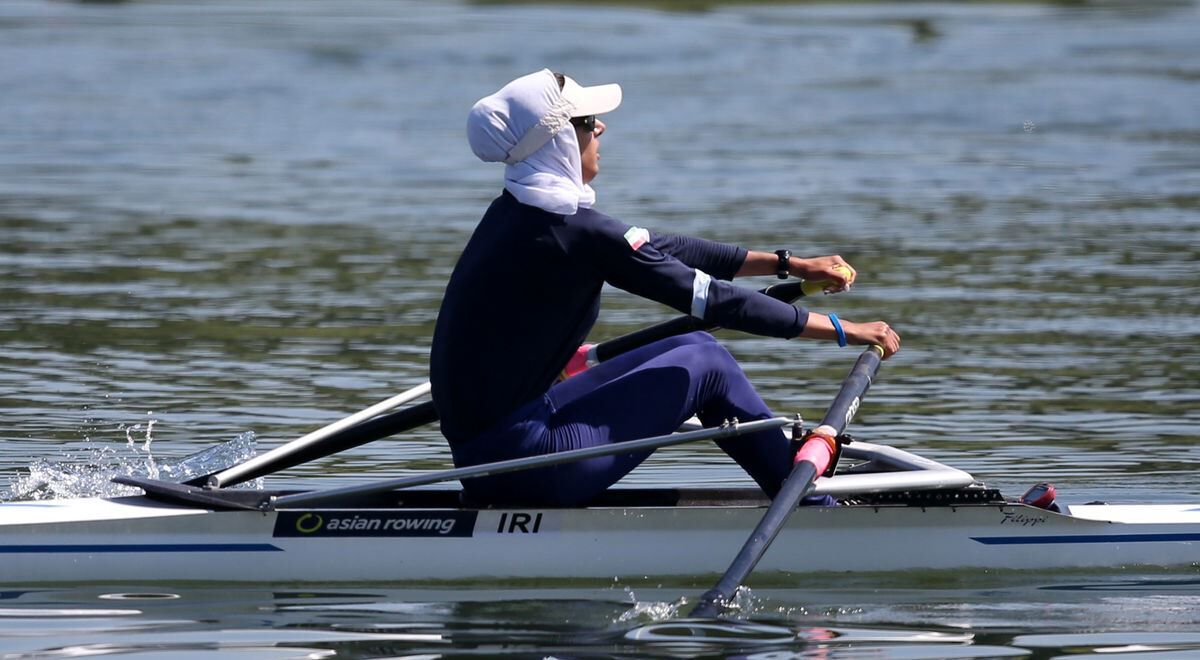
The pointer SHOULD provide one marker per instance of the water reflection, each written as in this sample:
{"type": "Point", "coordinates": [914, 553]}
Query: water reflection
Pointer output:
{"type": "Point", "coordinates": [584, 623]}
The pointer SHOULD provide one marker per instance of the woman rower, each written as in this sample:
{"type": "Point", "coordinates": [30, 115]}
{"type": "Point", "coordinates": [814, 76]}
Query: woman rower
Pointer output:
{"type": "Point", "coordinates": [526, 292]}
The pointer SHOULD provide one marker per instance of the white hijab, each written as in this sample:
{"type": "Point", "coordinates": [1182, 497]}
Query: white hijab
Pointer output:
{"type": "Point", "coordinates": [527, 126]}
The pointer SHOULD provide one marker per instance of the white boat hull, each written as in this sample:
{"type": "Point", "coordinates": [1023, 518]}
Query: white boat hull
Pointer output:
{"type": "Point", "coordinates": [138, 539]}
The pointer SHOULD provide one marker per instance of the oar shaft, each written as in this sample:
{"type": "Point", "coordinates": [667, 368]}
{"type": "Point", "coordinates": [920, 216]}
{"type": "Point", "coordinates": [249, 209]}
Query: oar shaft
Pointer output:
{"type": "Point", "coordinates": [283, 453]}
{"type": "Point", "coordinates": [531, 462]}
{"type": "Point", "coordinates": [854, 388]}
{"type": "Point", "coordinates": [384, 425]}
{"type": "Point", "coordinates": [798, 484]}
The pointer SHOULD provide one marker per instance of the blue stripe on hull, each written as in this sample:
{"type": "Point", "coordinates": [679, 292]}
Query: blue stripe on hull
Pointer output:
{"type": "Point", "coordinates": [139, 547]}
{"type": "Point", "coordinates": [1085, 538]}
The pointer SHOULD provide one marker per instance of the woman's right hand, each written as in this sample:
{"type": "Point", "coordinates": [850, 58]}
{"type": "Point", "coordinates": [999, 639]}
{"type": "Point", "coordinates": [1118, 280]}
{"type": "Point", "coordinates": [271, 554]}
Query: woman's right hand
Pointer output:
{"type": "Point", "coordinates": [875, 332]}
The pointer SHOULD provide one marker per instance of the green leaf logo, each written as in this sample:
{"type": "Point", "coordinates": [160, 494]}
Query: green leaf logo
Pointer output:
{"type": "Point", "coordinates": [309, 523]}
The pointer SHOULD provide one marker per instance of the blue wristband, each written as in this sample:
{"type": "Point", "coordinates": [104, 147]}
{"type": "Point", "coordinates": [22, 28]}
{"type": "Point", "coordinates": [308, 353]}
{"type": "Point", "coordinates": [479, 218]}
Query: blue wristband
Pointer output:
{"type": "Point", "coordinates": [837, 325]}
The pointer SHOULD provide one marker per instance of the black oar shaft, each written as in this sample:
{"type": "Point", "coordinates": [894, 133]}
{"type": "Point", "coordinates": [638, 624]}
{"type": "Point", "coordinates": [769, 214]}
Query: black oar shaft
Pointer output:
{"type": "Point", "coordinates": [798, 484]}
{"type": "Point", "coordinates": [858, 381]}
{"type": "Point", "coordinates": [371, 430]}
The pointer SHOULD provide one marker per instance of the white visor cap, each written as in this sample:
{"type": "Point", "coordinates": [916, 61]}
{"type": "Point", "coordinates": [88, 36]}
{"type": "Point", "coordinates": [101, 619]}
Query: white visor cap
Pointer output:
{"type": "Point", "coordinates": [594, 100]}
{"type": "Point", "coordinates": [512, 124]}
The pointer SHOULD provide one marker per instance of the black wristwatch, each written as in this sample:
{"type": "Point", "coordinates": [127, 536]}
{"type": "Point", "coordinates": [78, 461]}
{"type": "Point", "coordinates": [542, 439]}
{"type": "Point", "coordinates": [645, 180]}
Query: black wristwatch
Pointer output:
{"type": "Point", "coordinates": [782, 270]}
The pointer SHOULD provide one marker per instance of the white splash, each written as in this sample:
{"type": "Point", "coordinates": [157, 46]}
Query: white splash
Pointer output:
{"type": "Point", "coordinates": [88, 471]}
{"type": "Point", "coordinates": [149, 436]}
{"type": "Point", "coordinates": [649, 612]}
{"type": "Point", "coordinates": [743, 604]}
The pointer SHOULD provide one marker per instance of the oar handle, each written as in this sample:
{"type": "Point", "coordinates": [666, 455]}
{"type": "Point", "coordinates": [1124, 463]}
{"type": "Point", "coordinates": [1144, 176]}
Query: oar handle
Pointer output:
{"type": "Point", "coordinates": [798, 484]}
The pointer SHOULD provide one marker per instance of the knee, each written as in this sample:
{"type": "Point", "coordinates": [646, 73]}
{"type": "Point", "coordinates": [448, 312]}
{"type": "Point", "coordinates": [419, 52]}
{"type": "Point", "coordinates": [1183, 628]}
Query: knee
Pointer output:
{"type": "Point", "coordinates": [710, 356]}
{"type": "Point", "coordinates": [698, 337]}
{"type": "Point", "coordinates": [716, 351]}
{"type": "Point", "coordinates": [684, 341]}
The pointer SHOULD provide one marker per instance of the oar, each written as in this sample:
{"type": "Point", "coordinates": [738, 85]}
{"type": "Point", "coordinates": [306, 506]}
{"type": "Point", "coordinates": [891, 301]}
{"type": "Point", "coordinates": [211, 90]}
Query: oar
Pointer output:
{"type": "Point", "coordinates": [381, 426]}
{"type": "Point", "coordinates": [727, 430]}
{"type": "Point", "coordinates": [298, 447]}
{"type": "Point", "coordinates": [811, 460]}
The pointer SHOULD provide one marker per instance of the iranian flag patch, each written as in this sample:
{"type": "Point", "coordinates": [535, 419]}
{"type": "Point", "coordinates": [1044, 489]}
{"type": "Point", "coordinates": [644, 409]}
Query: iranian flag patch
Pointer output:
{"type": "Point", "coordinates": [637, 237]}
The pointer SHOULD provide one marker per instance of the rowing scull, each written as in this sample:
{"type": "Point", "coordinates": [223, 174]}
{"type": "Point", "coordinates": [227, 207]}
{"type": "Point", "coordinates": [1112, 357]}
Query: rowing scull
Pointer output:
{"type": "Point", "coordinates": [897, 512]}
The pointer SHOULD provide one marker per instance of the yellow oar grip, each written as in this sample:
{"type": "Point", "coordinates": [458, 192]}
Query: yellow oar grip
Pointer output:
{"type": "Point", "coordinates": [813, 287]}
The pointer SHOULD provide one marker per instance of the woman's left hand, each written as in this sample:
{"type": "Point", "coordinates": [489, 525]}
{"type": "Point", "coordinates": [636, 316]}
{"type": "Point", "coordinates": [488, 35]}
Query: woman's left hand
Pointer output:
{"type": "Point", "coordinates": [833, 269]}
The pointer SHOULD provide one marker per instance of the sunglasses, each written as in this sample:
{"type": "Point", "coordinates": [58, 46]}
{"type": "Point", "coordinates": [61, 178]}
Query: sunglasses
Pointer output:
{"type": "Point", "coordinates": [587, 123]}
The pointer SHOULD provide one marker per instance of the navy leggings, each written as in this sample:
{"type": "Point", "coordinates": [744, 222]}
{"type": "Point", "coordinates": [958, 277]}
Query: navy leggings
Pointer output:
{"type": "Point", "coordinates": [645, 392]}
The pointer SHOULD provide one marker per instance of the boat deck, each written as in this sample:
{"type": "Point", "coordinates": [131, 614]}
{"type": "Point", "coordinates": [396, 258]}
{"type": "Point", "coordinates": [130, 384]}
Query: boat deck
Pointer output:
{"type": "Point", "coordinates": [1137, 513]}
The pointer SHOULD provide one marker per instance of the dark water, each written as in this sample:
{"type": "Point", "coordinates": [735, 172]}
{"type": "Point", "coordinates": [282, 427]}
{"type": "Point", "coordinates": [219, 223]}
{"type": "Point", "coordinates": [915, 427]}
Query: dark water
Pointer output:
{"type": "Point", "coordinates": [224, 217]}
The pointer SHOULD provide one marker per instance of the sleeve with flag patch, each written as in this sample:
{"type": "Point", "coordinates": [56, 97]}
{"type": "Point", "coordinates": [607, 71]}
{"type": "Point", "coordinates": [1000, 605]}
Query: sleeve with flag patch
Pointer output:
{"type": "Point", "coordinates": [637, 237]}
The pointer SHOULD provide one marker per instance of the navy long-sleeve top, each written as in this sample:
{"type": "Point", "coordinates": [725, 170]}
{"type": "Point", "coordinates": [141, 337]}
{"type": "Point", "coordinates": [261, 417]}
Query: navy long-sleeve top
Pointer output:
{"type": "Point", "coordinates": [526, 292]}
